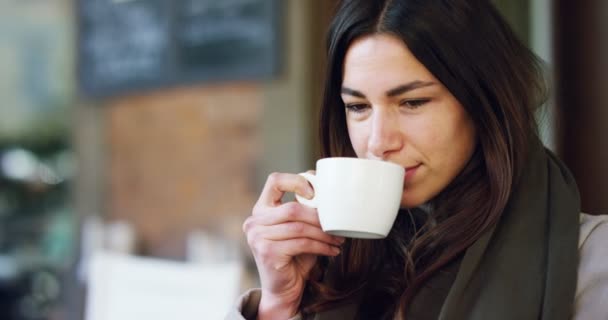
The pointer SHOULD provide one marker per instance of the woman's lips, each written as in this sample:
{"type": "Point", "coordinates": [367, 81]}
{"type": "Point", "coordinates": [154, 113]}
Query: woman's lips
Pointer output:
{"type": "Point", "coordinates": [410, 171]}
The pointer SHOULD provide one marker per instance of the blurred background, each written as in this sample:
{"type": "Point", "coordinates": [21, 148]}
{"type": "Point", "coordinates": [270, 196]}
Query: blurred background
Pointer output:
{"type": "Point", "coordinates": [136, 135]}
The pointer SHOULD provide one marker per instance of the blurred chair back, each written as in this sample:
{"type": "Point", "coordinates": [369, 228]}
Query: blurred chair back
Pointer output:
{"type": "Point", "coordinates": [122, 287]}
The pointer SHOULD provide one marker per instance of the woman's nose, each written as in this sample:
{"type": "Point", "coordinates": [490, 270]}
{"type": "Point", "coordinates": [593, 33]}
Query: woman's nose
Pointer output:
{"type": "Point", "coordinates": [385, 137]}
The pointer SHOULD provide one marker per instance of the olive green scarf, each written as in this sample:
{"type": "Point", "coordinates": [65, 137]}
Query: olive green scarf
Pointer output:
{"type": "Point", "coordinates": [526, 267]}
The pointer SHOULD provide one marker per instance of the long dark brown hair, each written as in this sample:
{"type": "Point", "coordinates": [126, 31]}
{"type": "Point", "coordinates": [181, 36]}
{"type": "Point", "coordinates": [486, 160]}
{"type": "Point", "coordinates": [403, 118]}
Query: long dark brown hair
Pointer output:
{"type": "Point", "coordinates": [469, 47]}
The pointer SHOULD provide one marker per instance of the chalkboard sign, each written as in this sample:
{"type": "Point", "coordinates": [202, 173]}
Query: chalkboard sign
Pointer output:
{"type": "Point", "coordinates": [129, 45]}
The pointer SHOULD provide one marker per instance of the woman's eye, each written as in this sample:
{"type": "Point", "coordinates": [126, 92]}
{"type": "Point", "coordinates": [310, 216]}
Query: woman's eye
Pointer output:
{"type": "Point", "coordinates": [413, 104]}
{"type": "Point", "coordinates": [358, 108]}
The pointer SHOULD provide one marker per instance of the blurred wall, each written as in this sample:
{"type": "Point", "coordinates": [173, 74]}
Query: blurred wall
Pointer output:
{"type": "Point", "coordinates": [541, 42]}
{"type": "Point", "coordinates": [517, 13]}
{"type": "Point", "coordinates": [292, 103]}
{"type": "Point", "coordinates": [181, 160]}
{"type": "Point", "coordinates": [36, 83]}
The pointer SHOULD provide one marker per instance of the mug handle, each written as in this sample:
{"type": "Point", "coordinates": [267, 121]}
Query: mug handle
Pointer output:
{"type": "Point", "coordinates": [312, 180]}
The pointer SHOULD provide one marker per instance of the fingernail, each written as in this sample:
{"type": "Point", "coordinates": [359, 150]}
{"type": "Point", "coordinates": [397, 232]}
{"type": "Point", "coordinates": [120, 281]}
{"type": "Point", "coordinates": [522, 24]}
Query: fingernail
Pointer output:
{"type": "Point", "coordinates": [339, 240]}
{"type": "Point", "coordinates": [336, 250]}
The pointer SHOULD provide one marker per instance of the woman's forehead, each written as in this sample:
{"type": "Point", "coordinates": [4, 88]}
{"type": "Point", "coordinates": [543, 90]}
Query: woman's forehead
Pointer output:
{"type": "Point", "coordinates": [383, 61]}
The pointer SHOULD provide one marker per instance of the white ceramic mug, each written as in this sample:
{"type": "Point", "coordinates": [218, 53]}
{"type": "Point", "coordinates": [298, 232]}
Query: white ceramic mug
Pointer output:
{"type": "Point", "coordinates": [356, 198]}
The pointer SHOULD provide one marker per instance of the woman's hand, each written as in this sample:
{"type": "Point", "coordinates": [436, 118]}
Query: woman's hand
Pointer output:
{"type": "Point", "coordinates": [285, 239]}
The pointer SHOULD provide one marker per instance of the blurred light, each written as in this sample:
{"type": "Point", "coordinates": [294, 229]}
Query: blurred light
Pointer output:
{"type": "Point", "coordinates": [65, 165]}
{"type": "Point", "coordinates": [22, 165]}
{"type": "Point", "coordinates": [47, 175]}
{"type": "Point", "coordinates": [8, 267]}
{"type": "Point", "coordinates": [45, 286]}
{"type": "Point", "coordinates": [19, 164]}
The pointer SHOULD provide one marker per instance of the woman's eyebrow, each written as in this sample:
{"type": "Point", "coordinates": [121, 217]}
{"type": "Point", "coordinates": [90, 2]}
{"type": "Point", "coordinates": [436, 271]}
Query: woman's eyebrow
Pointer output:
{"type": "Point", "coordinates": [352, 92]}
{"type": "Point", "coordinates": [408, 87]}
{"type": "Point", "coordinates": [392, 92]}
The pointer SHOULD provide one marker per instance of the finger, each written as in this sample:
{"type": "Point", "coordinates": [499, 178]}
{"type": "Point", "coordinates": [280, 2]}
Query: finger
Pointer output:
{"type": "Point", "coordinates": [300, 246]}
{"type": "Point", "coordinates": [279, 183]}
{"type": "Point", "coordinates": [287, 212]}
{"type": "Point", "coordinates": [294, 230]}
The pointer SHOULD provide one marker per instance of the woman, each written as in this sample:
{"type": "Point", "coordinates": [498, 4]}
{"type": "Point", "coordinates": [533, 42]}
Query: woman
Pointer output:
{"type": "Point", "coordinates": [489, 226]}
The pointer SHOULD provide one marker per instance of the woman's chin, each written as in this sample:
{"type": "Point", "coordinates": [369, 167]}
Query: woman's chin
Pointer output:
{"type": "Point", "coordinates": [410, 202]}
{"type": "Point", "coordinates": [410, 199]}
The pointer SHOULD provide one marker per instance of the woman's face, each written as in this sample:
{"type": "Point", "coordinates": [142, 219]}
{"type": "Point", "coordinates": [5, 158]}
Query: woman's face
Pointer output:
{"type": "Point", "coordinates": [397, 111]}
